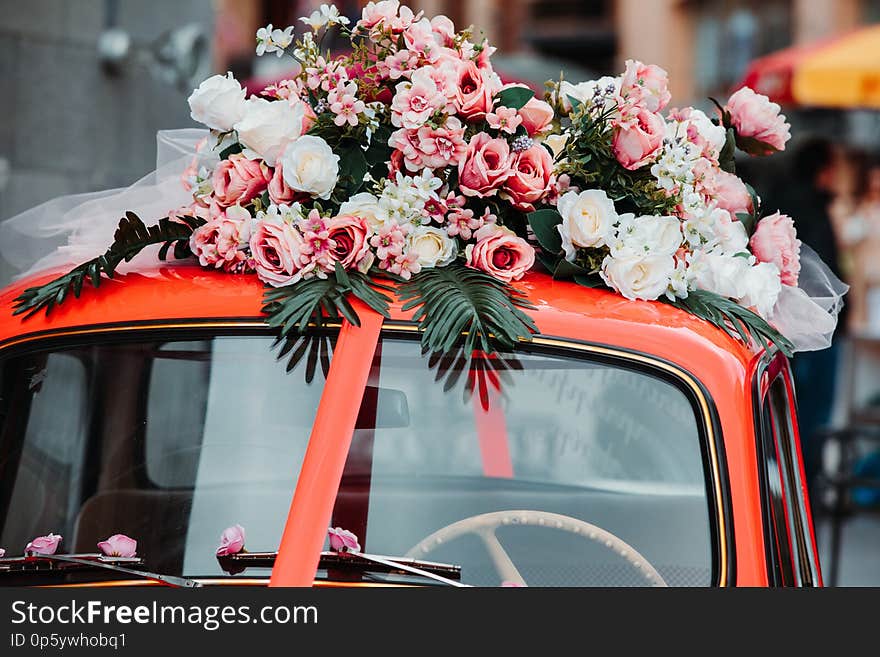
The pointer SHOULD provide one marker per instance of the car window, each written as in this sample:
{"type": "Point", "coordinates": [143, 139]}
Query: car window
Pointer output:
{"type": "Point", "coordinates": [602, 444]}
{"type": "Point", "coordinates": [790, 549]}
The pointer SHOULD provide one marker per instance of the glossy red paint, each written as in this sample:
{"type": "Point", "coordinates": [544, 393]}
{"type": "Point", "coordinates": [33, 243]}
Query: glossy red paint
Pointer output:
{"type": "Point", "coordinates": [724, 366]}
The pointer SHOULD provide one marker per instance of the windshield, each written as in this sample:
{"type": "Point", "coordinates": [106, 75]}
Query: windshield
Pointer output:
{"type": "Point", "coordinates": [582, 472]}
{"type": "Point", "coordinates": [166, 442]}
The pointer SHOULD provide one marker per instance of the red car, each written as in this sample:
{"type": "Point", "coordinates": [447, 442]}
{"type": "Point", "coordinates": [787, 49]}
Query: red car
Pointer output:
{"type": "Point", "coordinates": [629, 443]}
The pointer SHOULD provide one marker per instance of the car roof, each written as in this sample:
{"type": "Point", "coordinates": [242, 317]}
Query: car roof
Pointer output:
{"type": "Point", "coordinates": [175, 291]}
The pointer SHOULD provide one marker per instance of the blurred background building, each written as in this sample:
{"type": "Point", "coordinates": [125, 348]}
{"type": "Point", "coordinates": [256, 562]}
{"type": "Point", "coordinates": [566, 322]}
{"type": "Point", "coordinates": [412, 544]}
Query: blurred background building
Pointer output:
{"type": "Point", "coordinates": [87, 83]}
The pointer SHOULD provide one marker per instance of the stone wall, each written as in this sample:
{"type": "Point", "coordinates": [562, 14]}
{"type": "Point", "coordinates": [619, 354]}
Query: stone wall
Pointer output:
{"type": "Point", "coordinates": [66, 126]}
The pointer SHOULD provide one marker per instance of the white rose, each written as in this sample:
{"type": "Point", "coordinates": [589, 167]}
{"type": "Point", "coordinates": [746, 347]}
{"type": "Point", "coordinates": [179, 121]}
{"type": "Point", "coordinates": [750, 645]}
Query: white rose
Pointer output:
{"type": "Point", "coordinates": [309, 165]}
{"type": "Point", "coordinates": [556, 142]}
{"type": "Point", "coordinates": [588, 218]}
{"type": "Point", "coordinates": [366, 206]}
{"type": "Point", "coordinates": [720, 273]}
{"type": "Point", "coordinates": [646, 235]}
{"type": "Point", "coordinates": [761, 287]}
{"type": "Point", "coordinates": [432, 246]}
{"type": "Point", "coordinates": [269, 126]}
{"type": "Point", "coordinates": [715, 135]}
{"type": "Point", "coordinates": [639, 277]}
{"type": "Point", "coordinates": [731, 236]}
{"type": "Point", "coordinates": [218, 102]}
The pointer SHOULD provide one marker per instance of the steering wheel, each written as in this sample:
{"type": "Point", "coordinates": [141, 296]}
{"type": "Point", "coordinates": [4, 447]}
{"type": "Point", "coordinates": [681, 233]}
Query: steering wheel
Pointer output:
{"type": "Point", "coordinates": [484, 526]}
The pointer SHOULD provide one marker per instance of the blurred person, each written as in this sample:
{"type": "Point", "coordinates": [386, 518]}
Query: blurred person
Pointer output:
{"type": "Point", "coordinates": [861, 235]}
{"type": "Point", "coordinates": [807, 196]}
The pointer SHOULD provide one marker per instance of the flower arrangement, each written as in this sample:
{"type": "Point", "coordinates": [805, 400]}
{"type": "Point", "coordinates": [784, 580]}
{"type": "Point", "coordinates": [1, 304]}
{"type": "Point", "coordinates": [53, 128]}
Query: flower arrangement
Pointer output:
{"type": "Point", "coordinates": [409, 160]}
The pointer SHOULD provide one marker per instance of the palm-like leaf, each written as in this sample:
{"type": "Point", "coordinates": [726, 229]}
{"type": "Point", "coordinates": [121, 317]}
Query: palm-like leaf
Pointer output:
{"type": "Point", "coordinates": [456, 299]}
{"type": "Point", "coordinates": [131, 237]}
{"type": "Point", "coordinates": [736, 320]}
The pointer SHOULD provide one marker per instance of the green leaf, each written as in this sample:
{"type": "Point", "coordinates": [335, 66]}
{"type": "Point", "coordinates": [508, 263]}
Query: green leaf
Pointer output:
{"type": "Point", "coordinates": [726, 156]}
{"type": "Point", "coordinates": [455, 299]}
{"type": "Point", "coordinates": [589, 280]}
{"type": "Point", "coordinates": [232, 149]}
{"type": "Point", "coordinates": [131, 237]}
{"type": "Point", "coordinates": [544, 223]}
{"type": "Point", "coordinates": [754, 146]}
{"type": "Point", "coordinates": [353, 167]}
{"type": "Point", "coordinates": [566, 269]}
{"type": "Point", "coordinates": [737, 321]}
{"type": "Point", "coordinates": [514, 97]}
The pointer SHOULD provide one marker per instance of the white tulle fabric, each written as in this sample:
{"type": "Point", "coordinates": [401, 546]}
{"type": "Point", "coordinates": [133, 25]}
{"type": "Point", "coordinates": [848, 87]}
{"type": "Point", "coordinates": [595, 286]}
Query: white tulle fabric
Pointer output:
{"type": "Point", "coordinates": [69, 230]}
{"type": "Point", "coordinates": [807, 314]}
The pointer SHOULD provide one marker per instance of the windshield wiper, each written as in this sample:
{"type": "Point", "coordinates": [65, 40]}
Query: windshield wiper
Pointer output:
{"type": "Point", "coordinates": [45, 563]}
{"type": "Point", "coordinates": [359, 562]}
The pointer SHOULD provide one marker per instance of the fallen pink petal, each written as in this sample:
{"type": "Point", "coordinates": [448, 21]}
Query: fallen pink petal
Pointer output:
{"type": "Point", "coordinates": [231, 541]}
{"type": "Point", "coordinates": [118, 545]}
{"type": "Point", "coordinates": [44, 544]}
{"type": "Point", "coordinates": [342, 540]}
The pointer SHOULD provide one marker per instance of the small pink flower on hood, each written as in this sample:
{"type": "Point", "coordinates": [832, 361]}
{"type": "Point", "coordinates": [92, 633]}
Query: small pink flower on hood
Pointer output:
{"type": "Point", "coordinates": [753, 116]}
{"type": "Point", "coordinates": [775, 240]}
{"type": "Point", "coordinates": [511, 585]}
{"type": "Point", "coordinates": [645, 85]}
{"type": "Point", "coordinates": [118, 545]}
{"type": "Point", "coordinates": [342, 540]}
{"type": "Point", "coordinates": [636, 141]}
{"type": "Point", "coordinates": [44, 544]}
{"type": "Point", "coordinates": [231, 541]}
{"type": "Point", "coordinates": [2, 553]}
{"type": "Point", "coordinates": [536, 116]}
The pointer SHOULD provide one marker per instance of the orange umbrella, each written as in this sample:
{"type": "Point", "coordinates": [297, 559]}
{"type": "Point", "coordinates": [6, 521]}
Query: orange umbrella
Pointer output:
{"type": "Point", "coordinates": [838, 72]}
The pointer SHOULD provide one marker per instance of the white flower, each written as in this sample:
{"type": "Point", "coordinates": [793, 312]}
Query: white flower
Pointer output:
{"type": "Point", "coordinates": [639, 277]}
{"type": "Point", "coordinates": [432, 246]}
{"type": "Point", "coordinates": [310, 166]}
{"type": "Point", "coordinates": [273, 40]}
{"type": "Point", "coordinates": [218, 102]}
{"type": "Point", "coordinates": [646, 235]}
{"type": "Point", "coordinates": [264, 39]}
{"type": "Point", "coordinates": [714, 135]}
{"type": "Point", "coordinates": [679, 281]}
{"type": "Point", "coordinates": [364, 205]}
{"type": "Point", "coordinates": [761, 286]}
{"type": "Point", "coordinates": [269, 126]}
{"type": "Point", "coordinates": [588, 220]}
{"type": "Point", "coordinates": [598, 93]}
{"type": "Point", "coordinates": [731, 236]}
{"type": "Point", "coordinates": [426, 184]}
{"type": "Point", "coordinates": [324, 15]}
{"type": "Point", "coordinates": [556, 142]}
{"type": "Point", "coordinates": [711, 226]}
{"type": "Point", "coordinates": [720, 273]}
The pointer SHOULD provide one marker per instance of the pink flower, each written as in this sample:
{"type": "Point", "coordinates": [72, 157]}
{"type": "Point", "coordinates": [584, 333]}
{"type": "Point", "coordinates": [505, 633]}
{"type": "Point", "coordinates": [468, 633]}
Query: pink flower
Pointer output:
{"type": "Point", "coordinates": [531, 179]}
{"type": "Point", "coordinates": [421, 39]}
{"type": "Point", "coordinates": [118, 545]}
{"type": "Point", "coordinates": [275, 249]}
{"type": "Point", "coordinates": [463, 223]}
{"type": "Point", "coordinates": [231, 541]}
{"type": "Point", "coordinates": [512, 585]}
{"type": "Point", "coordinates": [729, 192]}
{"type": "Point", "coordinates": [504, 119]}
{"type": "Point", "coordinates": [755, 117]}
{"type": "Point", "coordinates": [238, 180]}
{"type": "Point", "coordinates": [474, 90]}
{"type": "Point", "coordinates": [350, 235]}
{"type": "Point", "coordinates": [429, 147]}
{"type": "Point", "coordinates": [219, 242]}
{"type": "Point", "coordinates": [775, 240]}
{"type": "Point", "coordinates": [444, 28]}
{"type": "Point", "coordinates": [342, 540]}
{"type": "Point", "coordinates": [403, 265]}
{"type": "Point", "coordinates": [645, 86]}
{"type": "Point", "coordinates": [317, 250]}
{"type": "Point", "coordinates": [536, 115]}
{"type": "Point", "coordinates": [388, 242]}
{"type": "Point", "coordinates": [2, 553]}
{"type": "Point", "coordinates": [43, 544]}
{"type": "Point", "coordinates": [500, 253]}
{"type": "Point", "coordinates": [486, 166]}
{"type": "Point", "coordinates": [279, 191]}
{"type": "Point", "coordinates": [414, 102]}
{"type": "Point", "coordinates": [345, 104]}
{"type": "Point", "coordinates": [636, 141]}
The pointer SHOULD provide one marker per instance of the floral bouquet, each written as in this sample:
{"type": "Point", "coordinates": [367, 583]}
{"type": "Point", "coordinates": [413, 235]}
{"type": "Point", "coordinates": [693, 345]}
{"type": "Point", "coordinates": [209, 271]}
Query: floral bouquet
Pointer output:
{"type": "Point", "coordinates": [410, 161]}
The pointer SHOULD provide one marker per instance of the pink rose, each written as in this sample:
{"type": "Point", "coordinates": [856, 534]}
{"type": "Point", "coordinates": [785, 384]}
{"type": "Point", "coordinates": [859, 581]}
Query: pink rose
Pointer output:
{"type": "Point", "coordinates": [279, 191]}
{"type": "Point", "coordinates": [500, 253]}
{"type": "Point", "coordinates": [486, 166]}
{"type": "Point", "coordinates": [231, 541]}
{"type": "Point", "coordinates": [43, 544]}
{"type": "Point", "coordinates": [351, 237]}
{"type": "Point", "coordinates": [636, 141]}
{"type": "Point", "coordinates": [219, 242]}
{"type": "Point", "coordinates": [531, 179]}
{"type": "Point", "coordinates": [775, 241]}
{"type": "Point", "coordinates": [755, 117]}
{"type": "Point", "coordinates": [730, 193]}
{"type": "Point", "coordinates": [342, 540]}
{"type": "Point", "coordinates": [238, 180]}
{"type": "Point", "coordinates": [118, 545]}
{"type": "Point", "coordinates": [475, 88]}
{"type": "Point", "coordinates": [645, 86]}
{"type": "Point", "coordinates": [444, 28]}
{"type": "Point", "coordinates": [536, 115]}
{"type": "Point", "coordinates": [276, 250]}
